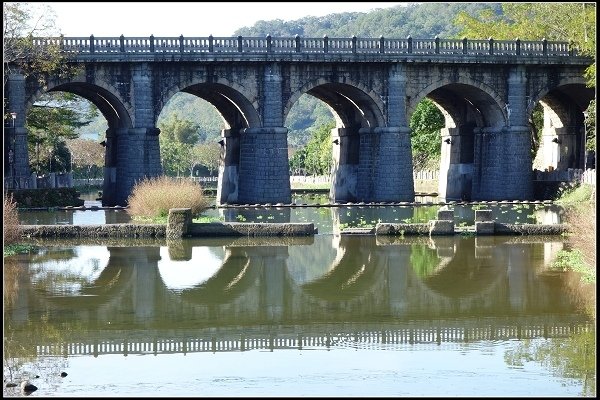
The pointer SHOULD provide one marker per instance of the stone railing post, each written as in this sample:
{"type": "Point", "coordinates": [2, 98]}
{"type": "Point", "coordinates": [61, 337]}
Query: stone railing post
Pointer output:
{"type": "Point", "coordinates": [325, 44]}
{"type": "Point", "coordinates": [240, 43]}
{"type": "Point", "coordinates": [122, 42]}
{"type": "Point", "coordinates": [92, 49]}
{"type": "Point", "coordinates": [410, 44]}
{"type": "Point", "coordinates": [381, 44]}
{"type": "Point", "coordinates": [151, 43]}
{"type": "Point", "coordinates": [545, 46]}
{"type": "Point", "coordinates": [297, 37]}
{"type": "Point", "coordinates": [181, 44]}
{"type": "Point", "coordinates": [437, 45]}
{"type": "Point", "coordinates": [465, 43]}
{"type": "Point", "coordinates": [353, 44]}
{"type": "Point", "coordinates": [210, 44]}
{"type": "Point", "coordinates": [518, 46]}
{"type": "Point", "coordinates": [491, 44]}
{"type": "Point", "coordinates": [269, 44]}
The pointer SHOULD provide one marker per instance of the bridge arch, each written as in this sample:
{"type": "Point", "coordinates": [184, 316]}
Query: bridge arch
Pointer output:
{"type": "Point", "coordinates": [117, 114]}
{"type": "Point", "coordinates": [351, 103]}
{"type": "Point", "coordinates": [491, 107]}
{"type": "Point", "coordinates": [229, 98]}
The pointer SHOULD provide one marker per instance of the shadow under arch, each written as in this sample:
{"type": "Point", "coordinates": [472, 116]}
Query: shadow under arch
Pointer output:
{"type": "Point", "coordinates": [563, 137]}
{"type": "Point", "coordinates": [235, 109]}
{"type": "Point", "coordinates": [119, 120]}
{"type": "Point", "coordinates": [235, 276]}
{"type": "Point", "coordinates": [468, 111]}
{"type": "Point", "coordinates": [351, 104]}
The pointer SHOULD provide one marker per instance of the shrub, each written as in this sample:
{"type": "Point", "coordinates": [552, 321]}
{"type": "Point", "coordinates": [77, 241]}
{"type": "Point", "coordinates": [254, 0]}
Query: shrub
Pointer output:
{"type": "Point", "coordinates": [153, 197]}
{"type": "Point", "coordinates": [11, 220]}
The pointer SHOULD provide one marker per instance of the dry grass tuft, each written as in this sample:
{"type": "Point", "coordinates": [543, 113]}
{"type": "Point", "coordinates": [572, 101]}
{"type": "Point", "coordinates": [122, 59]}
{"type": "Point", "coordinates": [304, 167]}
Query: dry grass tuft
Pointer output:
{"type": "Point", "coordinates": [11, 220]}
{"type": "Point", "coordinates": [153, 197]}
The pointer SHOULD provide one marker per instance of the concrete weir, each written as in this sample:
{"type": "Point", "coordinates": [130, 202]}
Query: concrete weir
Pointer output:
{"type": "Point", "coordinates": [180, 225]}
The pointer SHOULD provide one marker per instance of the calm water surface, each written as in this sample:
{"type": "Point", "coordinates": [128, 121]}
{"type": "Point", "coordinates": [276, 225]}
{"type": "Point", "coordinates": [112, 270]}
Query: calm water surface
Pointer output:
{"type": "Point", "coordinates": [328, 315]}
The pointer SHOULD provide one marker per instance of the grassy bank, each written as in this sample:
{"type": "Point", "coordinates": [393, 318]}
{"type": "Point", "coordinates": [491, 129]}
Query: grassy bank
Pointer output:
{"type": "Point", "coordinates": [579, 255]}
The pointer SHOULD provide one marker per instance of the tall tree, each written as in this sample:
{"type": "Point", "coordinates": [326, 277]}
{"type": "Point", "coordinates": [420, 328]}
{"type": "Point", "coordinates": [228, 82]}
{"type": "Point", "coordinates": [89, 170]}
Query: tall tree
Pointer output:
{"type": "Point", "coordinates": [24, 24]}
{"type": "Point", "coordinates": [208, 155]}
{"type": "Point", "coordinates": [425, 125]}
{"type": "Point", "coordinates": [180, 130]}
{"type": "Point", "coordinates": [572, 22]}
{"type": "Point", "coordinates": [27, 28]}
{"type": "Point", "coordinates": [86, 155]}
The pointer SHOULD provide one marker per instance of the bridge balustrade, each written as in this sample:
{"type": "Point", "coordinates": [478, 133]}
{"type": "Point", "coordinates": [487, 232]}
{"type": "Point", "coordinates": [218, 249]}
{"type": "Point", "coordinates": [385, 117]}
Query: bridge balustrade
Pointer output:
{"type": "Point", "coordinates": [400, 337]}
{"type": "Point", "coordinates": [283, 45]}
{"type": "Point", "coordinates": [226, 45]}
{"type": "Point", "coordinates": [396, 45]}
{"type": "Point", "coordinates": [107, 45]}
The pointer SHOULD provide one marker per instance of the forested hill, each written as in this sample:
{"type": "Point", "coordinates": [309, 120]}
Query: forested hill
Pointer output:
{"type": "Point", "coordinates": [419, 20]}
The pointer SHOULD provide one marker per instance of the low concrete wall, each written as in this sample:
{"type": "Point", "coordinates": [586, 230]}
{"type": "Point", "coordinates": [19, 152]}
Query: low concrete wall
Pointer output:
{"type": "Point", "coordinates": [213, 229]}
{"type": "Point", "coordinates": [251, 229]}
{"type": "Point", "coordinates": [392, 229]}
{"type": "Point", "coordinates": [94, 231]}
{"type": "Point", "coordinates": [179, 225]}
{"type": "Point", "coordinates": [484, 225]}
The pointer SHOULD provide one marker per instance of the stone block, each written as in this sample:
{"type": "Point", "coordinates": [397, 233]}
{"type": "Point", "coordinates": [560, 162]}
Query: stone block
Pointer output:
{"type": "Point", "coordinates": [483, 215]}
{"type": "Point", "coordinates": [484, 227]}
{"type": "Point", "coordinates": [445, 215]}
{"type": "Point", "coordinates": [178, 222]}
{"type": "Point", "coordinates": [441, 227]}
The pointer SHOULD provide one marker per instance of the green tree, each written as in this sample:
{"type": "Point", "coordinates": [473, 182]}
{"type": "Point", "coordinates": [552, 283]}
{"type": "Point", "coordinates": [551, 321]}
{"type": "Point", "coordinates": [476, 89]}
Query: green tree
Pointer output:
{"type": "Point", "coordinates": [22, 24]}
{"type": "Point", "coordinates": [180, 130]}
{"type": "Point", "coordinates": [572, 22]}
{"type": "Point", "coordinates": [174, 156]}
{"type": "Point", "coordinates": [317, 154]}
{"type": "Point", "coordinates": [425, 125]}
{"type": "Point", "coordinates": [208, 155]}
{"type": "Point", "coordinates": [51, 121]}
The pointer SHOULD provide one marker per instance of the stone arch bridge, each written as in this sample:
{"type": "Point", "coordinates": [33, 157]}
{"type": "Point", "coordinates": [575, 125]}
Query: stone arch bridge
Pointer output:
{"type": "Point", "coordinates": [486, 89]}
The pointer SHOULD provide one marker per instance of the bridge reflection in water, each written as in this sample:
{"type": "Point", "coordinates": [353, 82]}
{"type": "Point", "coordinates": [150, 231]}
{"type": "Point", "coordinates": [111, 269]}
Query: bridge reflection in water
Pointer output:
{"type": "Point", "coordinates": [213, 295]}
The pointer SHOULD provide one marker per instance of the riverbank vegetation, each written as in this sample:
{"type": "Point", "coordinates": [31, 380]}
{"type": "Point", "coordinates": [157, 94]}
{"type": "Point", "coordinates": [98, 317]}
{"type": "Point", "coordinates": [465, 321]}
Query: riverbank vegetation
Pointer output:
{"type": "Point", "coordinates": [10, 228]}
{"type": "Point", "coordinates": [580, 215]}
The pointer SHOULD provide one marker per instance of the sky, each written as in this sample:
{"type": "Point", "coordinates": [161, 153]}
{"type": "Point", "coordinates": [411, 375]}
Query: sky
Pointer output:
{"type": "Point", "coordinates": [193, 19]}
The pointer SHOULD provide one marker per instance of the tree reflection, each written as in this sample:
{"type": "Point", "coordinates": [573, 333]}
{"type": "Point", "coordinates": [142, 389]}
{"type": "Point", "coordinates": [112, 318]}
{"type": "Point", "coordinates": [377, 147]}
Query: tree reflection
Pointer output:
{"type": "Point", "coordinates": [423, 259]}
{"type": "Point", "coordinates": [569, 358]}
{"type": "Point", "coordinates": [20, 359]}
